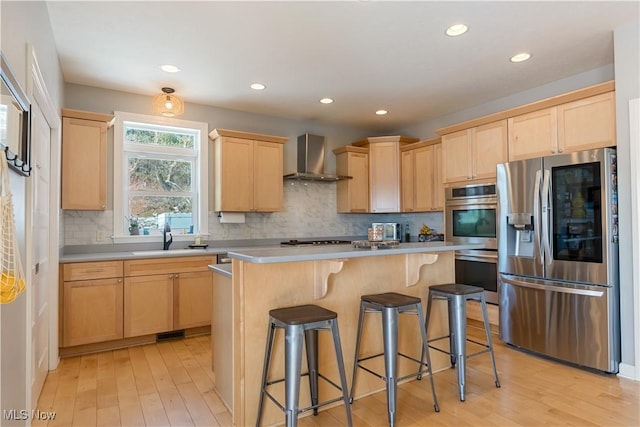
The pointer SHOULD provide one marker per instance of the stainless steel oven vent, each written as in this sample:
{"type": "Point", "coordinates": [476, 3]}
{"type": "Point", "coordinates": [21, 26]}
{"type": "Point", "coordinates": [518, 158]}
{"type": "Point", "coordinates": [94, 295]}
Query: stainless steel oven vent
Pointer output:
{"type": "Point", "coordinates": [310, 162]}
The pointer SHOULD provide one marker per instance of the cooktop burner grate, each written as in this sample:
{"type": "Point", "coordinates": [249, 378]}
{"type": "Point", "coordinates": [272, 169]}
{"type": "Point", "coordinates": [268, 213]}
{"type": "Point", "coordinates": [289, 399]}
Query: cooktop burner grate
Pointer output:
{"type": "Point", "coordinates": [296, 242]}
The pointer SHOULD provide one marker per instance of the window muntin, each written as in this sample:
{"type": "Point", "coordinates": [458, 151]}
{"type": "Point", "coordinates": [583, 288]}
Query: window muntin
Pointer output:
{"type": "Point", "coordinates": [160, 175]}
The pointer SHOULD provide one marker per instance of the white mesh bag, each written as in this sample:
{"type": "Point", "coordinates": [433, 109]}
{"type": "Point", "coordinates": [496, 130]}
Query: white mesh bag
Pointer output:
{"type": "Point", "coordinates": [12, 281]}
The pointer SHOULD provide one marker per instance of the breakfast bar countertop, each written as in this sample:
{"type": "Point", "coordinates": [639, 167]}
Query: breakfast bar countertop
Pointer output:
{"type": "Point", "coordinates": [314, 253]}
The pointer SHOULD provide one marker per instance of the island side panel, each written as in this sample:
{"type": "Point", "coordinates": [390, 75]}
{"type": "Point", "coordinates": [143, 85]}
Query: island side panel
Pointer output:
{"type": "Point", "coordinates": [222, 331]}
{"type": "Point", "coordinates": [259, 288]}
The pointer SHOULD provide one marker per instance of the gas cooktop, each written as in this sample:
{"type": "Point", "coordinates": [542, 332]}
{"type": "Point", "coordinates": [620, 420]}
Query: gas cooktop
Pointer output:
{"type": "Point", "coordinates": [296, 242]}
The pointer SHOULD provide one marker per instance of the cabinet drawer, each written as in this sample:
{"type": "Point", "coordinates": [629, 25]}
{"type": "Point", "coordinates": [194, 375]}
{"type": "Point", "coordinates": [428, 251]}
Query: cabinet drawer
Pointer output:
{"type": "Point", "coordinates": [92, 270]}
{"type": "Point", "coordinates": [145, 267]}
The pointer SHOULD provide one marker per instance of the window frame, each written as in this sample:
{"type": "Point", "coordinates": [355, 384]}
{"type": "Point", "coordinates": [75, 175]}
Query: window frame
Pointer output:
{"type": "Point", "coordinates": [200, 181]}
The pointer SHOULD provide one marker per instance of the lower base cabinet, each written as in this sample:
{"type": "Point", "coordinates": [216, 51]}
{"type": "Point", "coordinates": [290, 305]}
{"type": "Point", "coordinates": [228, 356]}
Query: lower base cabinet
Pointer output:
{"type": "Point", "coordinates": [166, 294]}
{"type": "Point", "coordinates": [114, 300]}
{"type": "Point", "coordinates": [93, 311]}
{"type": "Point", "coordinates": [192, 300]}
{"type": "Point", "coordinates": [148, 305]}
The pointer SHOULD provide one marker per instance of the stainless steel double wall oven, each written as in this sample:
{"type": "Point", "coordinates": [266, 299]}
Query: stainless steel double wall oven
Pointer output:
{"type": "Point", "coordinates": [470, 217]}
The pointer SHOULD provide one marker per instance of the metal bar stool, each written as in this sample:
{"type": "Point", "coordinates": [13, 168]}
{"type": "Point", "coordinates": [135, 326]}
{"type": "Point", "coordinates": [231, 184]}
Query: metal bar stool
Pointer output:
{"type": "Point", "coordinates": [390, 305]}
{"type": "Point", "coordinates": [302, 322]}
{"type": "Point", "coordinates": [457, 297]}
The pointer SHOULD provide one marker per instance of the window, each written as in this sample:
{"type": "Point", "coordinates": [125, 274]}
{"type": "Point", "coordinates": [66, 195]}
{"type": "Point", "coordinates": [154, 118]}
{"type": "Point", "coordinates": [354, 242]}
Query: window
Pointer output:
{"type": "Point", "coordinates": [160, 177]}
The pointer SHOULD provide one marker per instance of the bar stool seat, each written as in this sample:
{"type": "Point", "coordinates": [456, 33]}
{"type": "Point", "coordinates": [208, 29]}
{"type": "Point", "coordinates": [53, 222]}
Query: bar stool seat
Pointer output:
{"type": "Point", "coordinates": [390, 305]}
{"type": "Point", "coordinates": [457, 296]}
{"type": "Point", "coordinates": [302, 323]}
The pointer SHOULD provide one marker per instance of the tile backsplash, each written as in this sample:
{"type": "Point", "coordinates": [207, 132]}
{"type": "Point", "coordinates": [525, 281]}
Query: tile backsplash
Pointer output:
{"type": "Point", "coordinates": [309, 211]}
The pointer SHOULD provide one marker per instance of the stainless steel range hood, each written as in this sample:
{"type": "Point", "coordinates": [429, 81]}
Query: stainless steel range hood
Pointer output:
{"type": "Point", "coordinates": [311, 161]}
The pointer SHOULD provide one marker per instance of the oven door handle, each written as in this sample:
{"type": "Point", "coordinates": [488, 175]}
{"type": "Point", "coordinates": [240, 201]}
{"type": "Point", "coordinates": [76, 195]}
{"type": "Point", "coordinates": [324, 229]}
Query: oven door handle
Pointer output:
{"type": "Point", "coordinates": [493, 259]}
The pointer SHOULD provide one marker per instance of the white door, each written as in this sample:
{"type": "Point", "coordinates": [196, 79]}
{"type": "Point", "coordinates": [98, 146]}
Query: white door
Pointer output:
{"type": "Point", "coordinates": [41, 147]}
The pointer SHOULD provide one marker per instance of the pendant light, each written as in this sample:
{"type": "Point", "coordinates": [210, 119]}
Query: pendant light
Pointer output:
{"type": "Point", "coordinates": [168, 104]}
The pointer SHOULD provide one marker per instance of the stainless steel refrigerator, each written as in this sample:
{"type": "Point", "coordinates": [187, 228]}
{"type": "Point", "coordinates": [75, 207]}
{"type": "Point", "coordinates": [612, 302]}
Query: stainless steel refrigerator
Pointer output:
{"type": "Point", "coordinates": [558, 257]}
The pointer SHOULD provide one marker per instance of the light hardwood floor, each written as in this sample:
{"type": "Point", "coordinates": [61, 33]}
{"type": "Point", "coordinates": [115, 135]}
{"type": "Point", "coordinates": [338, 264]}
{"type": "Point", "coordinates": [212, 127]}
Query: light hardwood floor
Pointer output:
{"type": "Point", "coordinates": [170, 383]}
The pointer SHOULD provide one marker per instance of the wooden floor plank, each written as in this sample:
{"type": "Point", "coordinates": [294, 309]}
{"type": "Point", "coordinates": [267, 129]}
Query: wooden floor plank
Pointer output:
{"type": "Point", "coordinates": [105, 390]}
{"type": "Point", "coordinates": [196, 405]}
{"type": "Point", "coordinates": [153, 410]}
{"type": "Point", "coordinates": [141, 371]}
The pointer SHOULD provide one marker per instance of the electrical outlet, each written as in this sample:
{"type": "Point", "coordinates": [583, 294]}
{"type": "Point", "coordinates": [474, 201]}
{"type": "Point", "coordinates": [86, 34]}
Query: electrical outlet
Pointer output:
{"type": "Point", "coordinates": [101, 235]}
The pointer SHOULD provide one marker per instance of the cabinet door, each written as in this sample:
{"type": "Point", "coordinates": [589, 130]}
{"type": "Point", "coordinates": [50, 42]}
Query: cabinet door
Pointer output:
{"type": "Point", "coordinates": [408, 178]}
{"type": "Point", "coordinates": [84, 164]}
{"type": "Point", "coordinates": [456, 156]}
{"type": "Point", "coordinates": [423, 161]}
{"type": "Point", "coordinates": [384, 177]}
{"type": "Point", "coordinates": [438, 188]}
{"type": "Point", "coordinates": [267, 176]}
{"type": "Point", "coordinates": [353, 194]}
{"type": "Point", "coordinates": [489, 148]}
{"type": "Point", "coordinates": [148, 304]}
{"type": "Point", "coordinates": [91, 311]}
{"type": "Point", "coordinates": [533, 135]}
{"type": "Point", "coordinates": [587, 124]}
{"type": "Point", "coordinates": [192, 294]}
{"type": "Point", "coordinates": [234, 191]}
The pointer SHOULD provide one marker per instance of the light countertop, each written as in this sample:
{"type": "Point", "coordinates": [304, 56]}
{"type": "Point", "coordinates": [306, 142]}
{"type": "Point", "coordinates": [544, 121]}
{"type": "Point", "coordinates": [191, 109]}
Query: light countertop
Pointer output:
{"type": "Point", "coordinates": [313, 253]}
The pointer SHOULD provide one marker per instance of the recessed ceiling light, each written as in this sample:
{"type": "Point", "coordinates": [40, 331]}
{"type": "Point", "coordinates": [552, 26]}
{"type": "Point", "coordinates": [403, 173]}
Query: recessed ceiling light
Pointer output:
{"type": "Point", "coordinates": [258, 86]}
{"type": "Point", "coordinates": [326, 101]}
{"type": "Point", "coordinates": [169, 68]}
{"type": "Point", "coordinates": [381, 112]}
{"type": "Point", "coordinates": [520, 57]}
{"type": "Point", "coordinates": [456, 30]}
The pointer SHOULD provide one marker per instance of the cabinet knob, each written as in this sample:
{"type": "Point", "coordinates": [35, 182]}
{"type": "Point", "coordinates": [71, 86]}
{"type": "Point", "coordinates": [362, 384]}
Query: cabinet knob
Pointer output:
{"type": "Point", "coordinates": [175, 276]}
{"type": "Point", "coordinates": [171, 276]}
{"type": "Point", "coordinates": [119, 280]}
{"type": "Point", "coordinates": [560, 150]}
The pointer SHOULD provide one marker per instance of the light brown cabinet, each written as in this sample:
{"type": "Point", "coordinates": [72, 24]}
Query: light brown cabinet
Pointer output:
{"type": "Point", "coordinates": [384, 171]}
{"type": "Point", "coordinates": [84, 160]}
{"type": "Point", "coordinates": [165, 294]}
{"type": "Point", "coordinates": [148, 304]}
{"type": "Point", "coordinates": [352, 195]}
{"type": "Point", "coordinates": [248, 171]}
{"type": "Point", "coordinates": [583, 124]}
{"type": "Point", "coordinates": [472, 154]}
{"type": "Point", "coordinates": [421, 166]}
{"type": "Point", "coordinates": [112, 300]}
{"type": "Point", "coordinates": [92, 302]}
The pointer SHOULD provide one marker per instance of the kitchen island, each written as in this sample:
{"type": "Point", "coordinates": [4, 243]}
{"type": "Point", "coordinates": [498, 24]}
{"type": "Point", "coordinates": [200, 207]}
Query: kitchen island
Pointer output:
{"type": "Point", "coordinates": [333, 277]}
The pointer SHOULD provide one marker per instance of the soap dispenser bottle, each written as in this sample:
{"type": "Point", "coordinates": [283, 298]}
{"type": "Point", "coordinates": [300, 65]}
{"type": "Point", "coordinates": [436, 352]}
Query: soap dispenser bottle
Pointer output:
{"type": "Point", "coordinates": [407, 233]}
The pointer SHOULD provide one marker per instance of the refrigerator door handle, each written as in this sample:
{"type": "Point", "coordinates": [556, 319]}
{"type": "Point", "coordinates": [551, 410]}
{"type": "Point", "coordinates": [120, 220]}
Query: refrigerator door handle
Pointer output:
{"type": "Point", "coordinates": [546, 208]}
{"type": "Point", "coordinates": [561, 289]}
{"type": "Point", "coordinates": [536, 211]}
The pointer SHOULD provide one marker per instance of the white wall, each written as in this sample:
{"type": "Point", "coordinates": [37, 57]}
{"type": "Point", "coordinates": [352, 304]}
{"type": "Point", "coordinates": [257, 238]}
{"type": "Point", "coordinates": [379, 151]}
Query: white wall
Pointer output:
{"type": "Point", "coordinates": [23, 23]}
{"type": "Point", "coordinates": [627, 71]}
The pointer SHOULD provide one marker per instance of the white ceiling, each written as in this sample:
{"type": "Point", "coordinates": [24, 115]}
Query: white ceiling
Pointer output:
{"type": "Point", "coordinates": [367, 55]}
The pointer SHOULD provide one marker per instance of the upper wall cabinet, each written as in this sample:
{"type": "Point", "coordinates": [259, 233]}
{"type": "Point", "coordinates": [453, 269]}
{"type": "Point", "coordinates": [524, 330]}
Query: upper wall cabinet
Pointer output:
{"type": "Point", "coordinates": [384, 171]}
{"type": "Point", "coordinates": [248, 169]}
{"type": "Point", "coordinates": [421, 170]}
{"type": "Point", "coordinates": [352, 195]}
{"type": "Point", "coordinates": [472, 154]}
{"type": "Point", "coordinates": [574, 126]}
{"type": "Point", "coordinates": [84, 159]}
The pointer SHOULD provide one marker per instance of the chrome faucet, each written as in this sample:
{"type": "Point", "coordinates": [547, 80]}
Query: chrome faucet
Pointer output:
{"type": "Point", "coordinates": [166, 243]}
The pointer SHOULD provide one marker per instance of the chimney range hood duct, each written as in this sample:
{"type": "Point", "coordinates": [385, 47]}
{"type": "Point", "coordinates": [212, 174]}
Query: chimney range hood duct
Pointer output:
{"type": "Point", "coordinates": [311, 161]}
